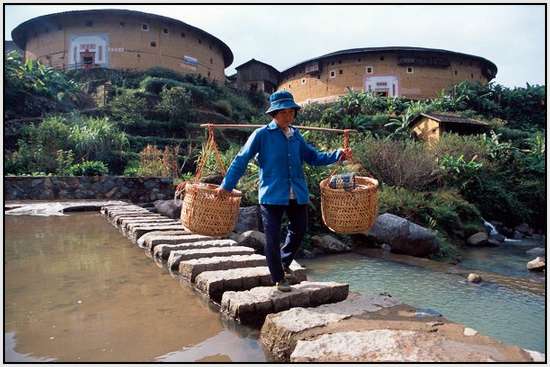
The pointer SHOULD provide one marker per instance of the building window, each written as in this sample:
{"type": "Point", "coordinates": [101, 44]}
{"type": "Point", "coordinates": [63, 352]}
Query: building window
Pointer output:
{"type": "Point", "coordinates": [370, 70]}
{"type": "Point", "coordinates": [153, 44]}
{"type": "Point", "coordinates": [318, 76]}
{"type": "Point", "coordinates": [89, 23]}
{"type": "Point", "coordinates": [472, 76]}
{"type": "Point", "coordinates": [122, 24]}
{"type": "Point", "coordinates": [340, 71]}
{"type": "Point", "coordinates": [165, 30]}
{"type": "Point", "coordinates": [208, 74]}
{"type": "Point", "coordinates": [332, 63]}
{"type": "Point", "coordinates": [138, 55]}
{"type": "Point", "coordinates": [333, 73]}
{"type": "Point", "coordinates": [200, 41]}
{"type": "Point", "coordinates": [381, 58]}
{"type": "Point", "coordinates": [359, 60]}
{"type": "Point", "coordinates": [182, 35]}
{"type": "Point", "coordinates": [456, 72]}
{"type": "Point", "coordinates": [145, 27]}
{"type": "Point", "coordinates": [211, 61]}
{"type": "Point", "coordinates": [100, 53]}
{"type": "Point", "coordinates": [210, 46]}
{"type": "Point", "coordinates": [410, 70]}
{"type": "Point", "coordinates": [304, 81]}
{"type": "Point", "coordinates": [339, 61]}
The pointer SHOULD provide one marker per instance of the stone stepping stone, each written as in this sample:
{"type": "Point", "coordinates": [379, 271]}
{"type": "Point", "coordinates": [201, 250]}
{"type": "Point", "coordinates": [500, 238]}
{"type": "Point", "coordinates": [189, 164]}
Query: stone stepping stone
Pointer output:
{"type": "Point", "coordinates": [194, 241]}
{"type": "Point", "coordinates": [215, 283]}
{"type": "Point", "coordinates": [189, 269]}
{"type": "Point", "coordinates": [136, 232]}
{"type": "Point", "coordinates": [127, 212]}
{"type": "Point", "coordinates": [153, 242]}
{"type": "Point", "coordinates": [251, 307]}
{"type": "Point", "coordinates": [127, 223]}
{"type": "Point", "coordinates": [142, 241]}
{"type": "Point", "coordinates": [117, 219]}
{"type": "Point", "coordinates": [176, 257]}
{"type": "Point", "coordinates": [281, 331]}
{"type": "Point", "coordinates": [108, 211]}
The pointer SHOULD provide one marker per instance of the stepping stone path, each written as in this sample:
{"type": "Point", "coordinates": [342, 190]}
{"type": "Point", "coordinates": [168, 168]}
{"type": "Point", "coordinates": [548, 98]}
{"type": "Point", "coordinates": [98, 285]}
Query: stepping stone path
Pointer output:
{"type": "Point", "coordinates": [316, 321]}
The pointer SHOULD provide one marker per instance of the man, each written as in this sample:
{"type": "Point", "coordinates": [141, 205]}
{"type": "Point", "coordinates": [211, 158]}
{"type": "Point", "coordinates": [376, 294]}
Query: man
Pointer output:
{"type": "Point", "coordinates": [281, 151]}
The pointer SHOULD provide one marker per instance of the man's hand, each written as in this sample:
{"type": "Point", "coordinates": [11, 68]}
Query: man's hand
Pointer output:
{"type": "Point", "coordinates": [346, 154]}
{"type": "Point", "coordinates": [222, 193]}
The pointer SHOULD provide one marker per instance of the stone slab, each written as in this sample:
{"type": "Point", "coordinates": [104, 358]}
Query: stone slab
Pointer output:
{"type": "Point", "coordinates": [282, 330]}
{"type": "Point", "coordinates": [386, 345]}
{"type": "Point", "coordinates": [178, 256]}
{"type": "Point", "coordinates": [215, 283]}
{"type": "Point", "coordinates": [189, 269]}
{"type": "Point", "coordinates": [136, 232]}
{"type": "Point", "coordinates": [194, 241]}
{"type": "Point", "coordinates": [116, 219]}
{"type": "Point", "coordinates": [129, 223]}
{"type": "Point", "coordinates": [142, 242]}
{"type": "Point", "coordinates": [251, 307]}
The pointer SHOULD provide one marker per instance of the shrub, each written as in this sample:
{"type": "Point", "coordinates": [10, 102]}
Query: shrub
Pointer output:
{"type": "Point", "coordinates": [128, 107]}
{"type": "Point", "coordinates": [224, 107]}
{"type": "Point", "coordinates": [89, 168]}
{"type": "Point", "coordinates": [470, 146]}
{"type": "Point", "coordinates": [156, 85]}
{"type": "Point", "coordinates": [406, 164]}
{"type": "Point", "coordinates": [176, 103]}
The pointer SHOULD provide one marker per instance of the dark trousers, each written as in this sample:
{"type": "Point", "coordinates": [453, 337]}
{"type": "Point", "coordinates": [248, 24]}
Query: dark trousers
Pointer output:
{"type": "Point", "coordinates": [297, 224]}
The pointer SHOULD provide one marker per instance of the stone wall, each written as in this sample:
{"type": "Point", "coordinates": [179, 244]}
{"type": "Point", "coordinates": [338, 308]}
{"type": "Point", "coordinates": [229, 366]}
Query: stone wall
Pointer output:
{"type": "Point", "coordinates": [136, 189]}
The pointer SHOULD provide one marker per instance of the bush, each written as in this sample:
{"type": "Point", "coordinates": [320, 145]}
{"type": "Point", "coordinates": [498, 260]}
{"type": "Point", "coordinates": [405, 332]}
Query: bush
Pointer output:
{"type": "Point", "coordinates": [176, 103]}
{"type": "Point", "coordinates": [156, 85]}
{"type": "Point", "coordinates": [89, 168]}
{"type": "Point", "coordinates": [406, 164]}
{"type": "Point", "coordinates": [128, 107]}
{"type": "Point", "coordinates": [224, 107]}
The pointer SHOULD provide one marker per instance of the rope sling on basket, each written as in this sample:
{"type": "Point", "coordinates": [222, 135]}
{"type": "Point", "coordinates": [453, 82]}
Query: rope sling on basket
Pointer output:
{"type": "Point", "coordinates": [204, 212]}
{"type": "Point", "coordinates": [349, 203]}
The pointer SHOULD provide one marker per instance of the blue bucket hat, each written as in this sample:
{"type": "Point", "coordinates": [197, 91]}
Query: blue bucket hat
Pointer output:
{"type": "Point", "coordinates": [281, 100]}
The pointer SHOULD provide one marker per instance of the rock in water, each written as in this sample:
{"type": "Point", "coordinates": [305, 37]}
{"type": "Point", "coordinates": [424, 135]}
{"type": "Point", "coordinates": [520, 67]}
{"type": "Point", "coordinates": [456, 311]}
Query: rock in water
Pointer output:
{"type": "Point", "coordinates": [474, 278]}
{"type": "Point", "coordinates": [403, 236]}
{"type": "Point", "coordinates": [329, 244]}
{"type": "Point", "coordinates": [478, 239]}
{"type": "Point", "coordinates": [169, 208]}
{"type": "Point", "coordinates": [537, 251]}
{"type": "Point", "coordinates": [538, 264]}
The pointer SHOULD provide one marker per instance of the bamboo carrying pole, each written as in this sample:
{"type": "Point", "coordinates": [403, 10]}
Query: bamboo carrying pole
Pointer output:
{"type": "Point", "coordinates": [249, 126]}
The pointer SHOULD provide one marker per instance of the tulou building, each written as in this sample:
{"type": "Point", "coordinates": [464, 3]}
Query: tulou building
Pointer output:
{"type": "Point", "coordinates": [125, 39]}
{"type": "Point", "coordinates": [411, 72]}
{"type": "Point", "coordinates": [122, 39]}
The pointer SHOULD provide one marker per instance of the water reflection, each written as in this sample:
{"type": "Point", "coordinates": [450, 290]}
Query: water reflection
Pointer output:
{"type": "Point", "coordinates": [76, 290]}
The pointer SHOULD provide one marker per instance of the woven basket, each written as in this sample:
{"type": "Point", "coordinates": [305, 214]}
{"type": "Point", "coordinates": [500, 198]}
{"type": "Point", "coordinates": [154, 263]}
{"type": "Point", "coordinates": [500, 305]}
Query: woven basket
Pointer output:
{"type": "Point", "coordinates": [352, 211]}
{"type": "Point", "coordinates": [203, 212]}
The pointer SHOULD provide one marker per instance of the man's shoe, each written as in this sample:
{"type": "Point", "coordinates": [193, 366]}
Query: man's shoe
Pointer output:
{"type": "Point", "coordinates": [283, 286]}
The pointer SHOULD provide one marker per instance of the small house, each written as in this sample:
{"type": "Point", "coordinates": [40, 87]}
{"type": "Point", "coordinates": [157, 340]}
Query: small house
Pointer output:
{"type": "Point", "coordinates": [430, 126]}
{"type": "Point", "coordinates": [255, 75]}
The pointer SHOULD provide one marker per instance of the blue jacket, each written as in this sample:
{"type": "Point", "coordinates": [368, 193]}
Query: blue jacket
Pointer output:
{"type": "Point", "coordinates": [280, 160]}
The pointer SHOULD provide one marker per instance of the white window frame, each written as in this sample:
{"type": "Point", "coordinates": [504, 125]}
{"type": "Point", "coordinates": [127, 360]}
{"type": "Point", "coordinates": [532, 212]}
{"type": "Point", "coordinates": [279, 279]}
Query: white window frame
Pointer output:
{"type": "Point", "coordinates": [371, 69]}
{"type": "Point", "coordinates": [332, 74]}
{"type": "Point", "coordinates": [304, 80]}
{"type": "Point", "coordinates": [411, 70]}
{"type": "Point", "coordinates": [167, 31]}
{"type": "Point", "coordinates": [145, 30]}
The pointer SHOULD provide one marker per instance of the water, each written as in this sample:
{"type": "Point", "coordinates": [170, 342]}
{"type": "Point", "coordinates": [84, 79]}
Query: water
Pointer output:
{"type": "Point", "coordinates": [510, 316]}
{"type": "Point", "coordinates": [76, 290]}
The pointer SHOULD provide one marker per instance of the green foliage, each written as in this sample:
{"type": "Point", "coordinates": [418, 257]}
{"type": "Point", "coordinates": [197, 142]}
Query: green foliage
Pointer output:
{"type": "Point", "coordinates": [128, 107]}
{"type": "Point", "coordinates": [176, 103]}
{"type": "Point", "coordinates": [459, 172]}
{"type": "Point", "coordinates": [64, 160]}
{"type": "Point", "coordinates": [89, 168]}
{"type": "Point", "coordinates": [33, 89]}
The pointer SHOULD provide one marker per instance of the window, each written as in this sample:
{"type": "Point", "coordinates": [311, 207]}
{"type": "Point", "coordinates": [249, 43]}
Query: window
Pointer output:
{"type": "Point", "coordinates": [89, 23]}
{"type": "Point", "coordinates": [100, 53]}
{"type": "Point", "coordinates": [145, 27]}
{"type": "Point", "coordinates": [304, 81]}
{"type": "Point", "coordinates": [332, 63]}
{"type": "Point", "coordinates": [211, 61]}
{"type": "Point", "coordinates": [340, 71]}
{"type": "Point", "coordinates": [182, 34]}
{"type": "Point", "coordinates": [165, 30]}
{"type": "Point", "coordinates": [410, 70]}
{"type": "Point", "coordinates": [289, 85]}
{"type": "Point", "coordinates": [209, 74]}
{"type": "Point", "coordinates": [359, 60]}
{"type": "Point", "coordinates": [333, 73]}
{"type": "Point", "coordinates": [122, 24]}
{"type": "Point", "coordinates": [153, 44]}
{"type": "Point", "coordinates": [138, 55]}
{"type": "Point", "coordinates": [200, 41]}
{"type": "Point", "coordinates": [339, 61]}
{"type": "Point", "coordinates": [370, 70]}
{"type": "Point", "coordinates": [456, 72]}
{"type": "Point", "coordinates": [472, 76]}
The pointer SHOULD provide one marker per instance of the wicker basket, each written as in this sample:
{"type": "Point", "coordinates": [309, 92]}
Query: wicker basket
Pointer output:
{"type": "Point", "coordinates": [203, 212]}
{"type": "Point", "coordinates": [352, 211]}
